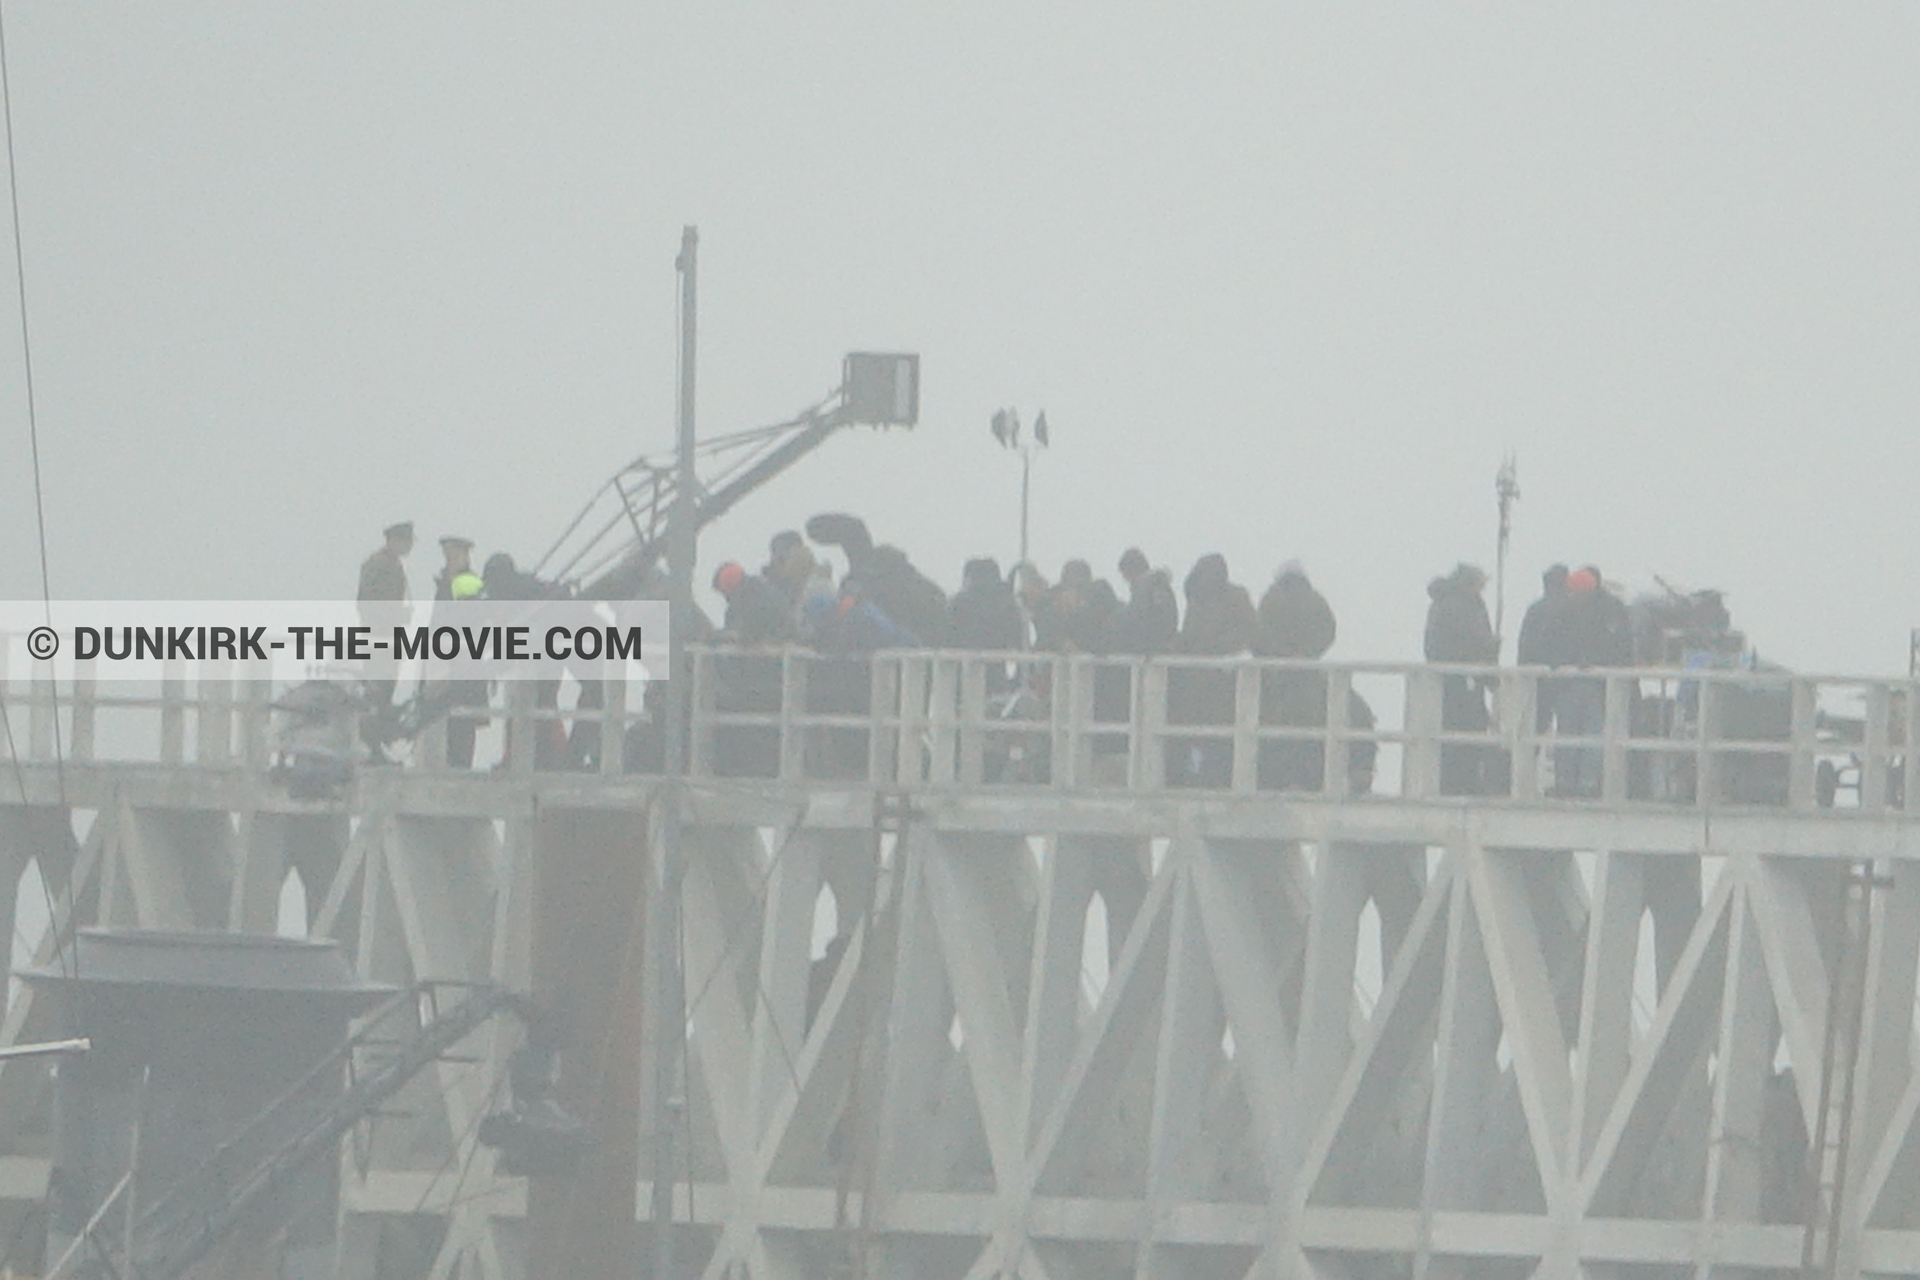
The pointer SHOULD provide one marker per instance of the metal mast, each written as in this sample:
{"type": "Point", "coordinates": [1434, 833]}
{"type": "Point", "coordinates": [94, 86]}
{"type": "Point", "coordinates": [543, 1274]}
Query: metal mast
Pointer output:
{"type": "Point", "coordinates": [664, 905]}
{"type": "Point", "coordinates": [1506, 488]}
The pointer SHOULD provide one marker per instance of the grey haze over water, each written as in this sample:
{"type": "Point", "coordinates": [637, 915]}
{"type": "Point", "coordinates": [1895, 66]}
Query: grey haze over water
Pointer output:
{"type": "Point", "coordinates": [1287, 279]}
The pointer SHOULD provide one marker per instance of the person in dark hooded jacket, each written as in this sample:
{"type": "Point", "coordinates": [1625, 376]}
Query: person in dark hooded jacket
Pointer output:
{"type": "Point", "coordinates": [1078, 613]}
{"type": "Point", "coordinates": [1459, 631]}
{"type": "Point", "coordinates": [1599, 631]}
{"type": "Point", "coordinates": [1220, 615]}
{"type": "Point", "coordinates": [984, 613]}
{"type": "Point", "coordinates": [1220, 622]}
{"type": "Point", "coordinates": [1296, 622]}
{"type": "Point", "coordinates": [789, 565]}
{"type": "Point", "coordinates": [885, 578]}
{"type": "Point", "coordinates": [757, 613]}
{"type": "Point", "coordinates": [1544, 643]}
{"type": "Point", "coordinates": [985, 616]}
{"type": "Point", "coordinates": [1150, 620]}
{"type": "Point", "coordinates": [1596, 633]}
{"type": "Point", "coordinates": [1543, 629]}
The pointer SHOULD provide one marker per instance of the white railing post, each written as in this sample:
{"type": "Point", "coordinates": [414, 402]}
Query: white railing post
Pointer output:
{"type": "Point", "coordinates": [1149, 755]}
{"type": "Point", "coordinates": [1873, 754]}
{"type": "Point", "coordinates": [914, 684]}
{"type": "Point", "coordinates": [1707, 763]}
{"type": "Point", "coordinates": [1072, 763]}
{"type": "Point", "coordinates": [1616, 725]}
{"type": "Point", "coordinates": [942, 707]}
{"type": "Point", "coordinates": [972, 765]}
{"type": "Point", "coordinates": [1420, 759]}
{"type": "Point", "coordinates": [1246, 727]}
{"type": "Point", "coordinates": [793, 714]}
{"type": "Point", "coordinates": [883, 710]}
{"type": "Point", "coordinates": [1060, 713]}
{"type": "Point", "coordinates": [1519, 719]}
{"type": "Point", "coordinates": [1801, 764]}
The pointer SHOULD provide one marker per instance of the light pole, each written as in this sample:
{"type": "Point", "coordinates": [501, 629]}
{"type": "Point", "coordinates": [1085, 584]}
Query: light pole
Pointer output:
{"type": "Point", "coordinates": [1006, 430]}
{"type": "Point", "coordinates": [663, 922]}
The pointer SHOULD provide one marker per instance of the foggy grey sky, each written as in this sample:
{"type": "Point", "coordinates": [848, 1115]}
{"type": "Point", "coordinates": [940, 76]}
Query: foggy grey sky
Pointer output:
{"type": "Point", "coordinates": [1286, 279]}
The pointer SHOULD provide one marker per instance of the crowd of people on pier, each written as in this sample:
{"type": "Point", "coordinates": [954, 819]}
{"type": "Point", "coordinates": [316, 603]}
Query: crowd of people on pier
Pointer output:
{"type": "Point", "coordinates": [882, 601]}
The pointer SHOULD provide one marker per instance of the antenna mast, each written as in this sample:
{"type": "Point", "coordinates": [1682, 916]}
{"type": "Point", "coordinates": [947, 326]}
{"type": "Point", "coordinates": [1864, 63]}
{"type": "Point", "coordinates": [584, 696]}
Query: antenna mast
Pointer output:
{"type": "Point", "coordinates": [1506, 488]}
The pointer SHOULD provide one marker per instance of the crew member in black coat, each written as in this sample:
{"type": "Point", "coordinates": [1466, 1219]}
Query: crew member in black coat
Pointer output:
{"type": "Point", "coordinates": [1459, 631]}
{"type": "Point", "coordinates": [985, 616]}
{"type": "Point", "coordinates": [886, 578]}
{"type": "Point", "coordinates": [1543, 642]}
{"type": "Point", "coordinates": [1150, 620]}
{"type": "Point", "coordinates": [1295, 621]}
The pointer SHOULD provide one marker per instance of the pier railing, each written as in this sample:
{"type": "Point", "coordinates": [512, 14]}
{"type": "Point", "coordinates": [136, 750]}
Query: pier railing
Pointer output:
{"type": "Point", "coordinates": [963, 720]}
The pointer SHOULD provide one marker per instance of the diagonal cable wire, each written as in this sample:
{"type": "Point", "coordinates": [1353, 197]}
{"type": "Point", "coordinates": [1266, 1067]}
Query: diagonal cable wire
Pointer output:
{"type": "Point", "coordinates": [473, 1148]}
{"type": "Point", "coordinates": [26, 340]}
{"type": "Point", "coordinates": [39, 491]}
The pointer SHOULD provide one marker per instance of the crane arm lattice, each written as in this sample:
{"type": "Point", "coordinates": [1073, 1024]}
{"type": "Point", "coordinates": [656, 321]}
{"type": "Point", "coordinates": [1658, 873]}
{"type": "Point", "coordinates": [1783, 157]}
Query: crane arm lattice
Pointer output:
{"type": "Point", "coordinates": [611, 547]}
{"type": "Point", "coordinates": [198, 1212]}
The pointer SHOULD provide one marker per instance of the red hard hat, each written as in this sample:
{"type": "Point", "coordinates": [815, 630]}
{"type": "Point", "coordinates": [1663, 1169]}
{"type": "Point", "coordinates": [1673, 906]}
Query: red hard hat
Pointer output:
{"type": "Point", "coordinates": [728, 577]}
{"type": "Point", "coordinates": [1581, 580]}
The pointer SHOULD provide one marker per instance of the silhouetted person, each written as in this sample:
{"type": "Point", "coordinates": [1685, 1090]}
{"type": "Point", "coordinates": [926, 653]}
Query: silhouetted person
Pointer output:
{"type": "Point", "coordinates": [383, 576]}
{"type": "Point", "coordinates": [1220, 622]}
{"type": "Point", "coordinates": [1030, 589]}
{"type": "Point", "coordinates": [985, 616]}
{"type": "Point", "coordinates": [451, 697]}
{"type": "Point", "coordinates": [1597, 633]}
{"type": "Point", "coordinates": [1610, 642]}
{"type": "Point", "coordinates": [790, 563]}
{"type": "Point", "coordinates": [1078, 614]}
{"type": "Point", "coordinates": [1459, 631]}
{"type": "Point", "coordinates": [1543, 629]}
{"type": "Point", "coordinates": [886, 578]}
{"type": "Point", "coordinates": [1150, 620]}
{"type": "Point", "coordinates": [1220, 616]}
{"type": "Point", "coordinates": [458, 555]}
{"type": "Point", "coordinates": [1543, 642]}
{"type": "Point", "coordinates": [1295, 622]}
{"type": "Point", "coordinates": [1085, 617]}
{"type": "Point", "coordinates": [757, 613]}
{"type": "Point", "coordinates": [383, 606]}
{"type": "Point", "coordinates": [848, 629]}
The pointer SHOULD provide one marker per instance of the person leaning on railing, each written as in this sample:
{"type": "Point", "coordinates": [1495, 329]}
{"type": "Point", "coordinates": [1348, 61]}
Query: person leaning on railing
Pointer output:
{"type": "Point", "coordinates": [847, 629]}
{"type": "Point", "coordinates": [985, 617]}
{"type": "Point", "coordinates": [1220, 623]}
{"type": "Point", "coordinates": [1295, 621]}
